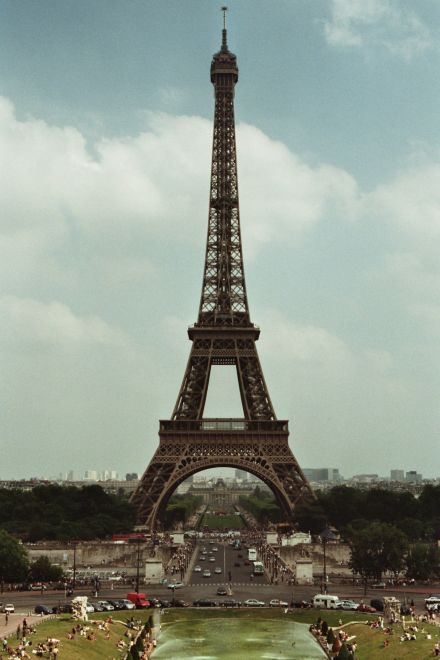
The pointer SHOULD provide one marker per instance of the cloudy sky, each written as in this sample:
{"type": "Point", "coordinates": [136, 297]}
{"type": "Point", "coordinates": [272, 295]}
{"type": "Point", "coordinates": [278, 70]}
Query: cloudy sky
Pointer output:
{"type": "Point", "coordinates": [105, 137]}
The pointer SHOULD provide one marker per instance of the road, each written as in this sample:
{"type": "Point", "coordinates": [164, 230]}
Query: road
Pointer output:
{"type": "Point", "coordinates": [242, 585]}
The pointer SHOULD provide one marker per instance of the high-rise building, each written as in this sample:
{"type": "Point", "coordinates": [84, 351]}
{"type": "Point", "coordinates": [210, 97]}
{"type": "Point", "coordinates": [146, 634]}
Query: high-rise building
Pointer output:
{"type": "Point", "coordinates": [397, 475]}
{"type": "Point", "coordinates": [412, 476]}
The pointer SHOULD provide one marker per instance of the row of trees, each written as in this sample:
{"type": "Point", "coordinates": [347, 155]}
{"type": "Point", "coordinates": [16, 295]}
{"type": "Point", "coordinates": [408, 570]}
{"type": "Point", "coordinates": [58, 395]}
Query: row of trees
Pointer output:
{"type": "Point", "coordinates": [180, 508]}
{"type": "Point", "coordinates": [262, 506]}
{"type": "Point", "coordinates": [16, 567]}
{"type": "Point", "coordinates": [64, 513]}
{"type": "Point", "coordinates": [417, 517]}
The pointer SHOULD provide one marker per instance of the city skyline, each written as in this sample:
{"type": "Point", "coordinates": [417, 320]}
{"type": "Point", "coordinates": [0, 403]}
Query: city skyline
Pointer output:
{"type": "Point", "coordinates": [105, 133]}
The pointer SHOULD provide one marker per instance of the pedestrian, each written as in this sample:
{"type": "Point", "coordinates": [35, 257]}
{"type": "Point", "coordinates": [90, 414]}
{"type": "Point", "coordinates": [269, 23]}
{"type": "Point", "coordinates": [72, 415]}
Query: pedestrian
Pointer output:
{"type": "Point", "coordinates": [18, 631]}
{"type": "Point", "coordinates": [6, 618]}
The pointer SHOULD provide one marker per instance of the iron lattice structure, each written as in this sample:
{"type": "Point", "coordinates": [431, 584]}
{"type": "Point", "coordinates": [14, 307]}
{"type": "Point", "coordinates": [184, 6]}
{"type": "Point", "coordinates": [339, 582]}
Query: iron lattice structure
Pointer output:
{"type": "Point", "coordinates": [223, 335]}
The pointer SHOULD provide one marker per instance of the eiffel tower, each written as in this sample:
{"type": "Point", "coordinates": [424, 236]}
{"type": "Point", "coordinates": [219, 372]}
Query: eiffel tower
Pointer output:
{"type": "Point", "coordinates": [222, 335]}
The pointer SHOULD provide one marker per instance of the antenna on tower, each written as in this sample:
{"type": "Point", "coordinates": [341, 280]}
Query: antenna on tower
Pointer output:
{"type": "Point", "coordinates": [224, 42]}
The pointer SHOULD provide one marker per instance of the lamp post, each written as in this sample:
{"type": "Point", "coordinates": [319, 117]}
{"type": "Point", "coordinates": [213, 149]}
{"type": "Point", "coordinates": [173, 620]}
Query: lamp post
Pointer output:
{"type": "Point", "coordinates": [138, 564]}
{"type": "Point", "coordinates": [324, 542]}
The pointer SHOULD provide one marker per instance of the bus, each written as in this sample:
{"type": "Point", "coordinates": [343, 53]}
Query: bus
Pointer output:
{"type": "Point", "coordinates": [258, 568]}
{"type": "Point", "coordinates": [252, 554]}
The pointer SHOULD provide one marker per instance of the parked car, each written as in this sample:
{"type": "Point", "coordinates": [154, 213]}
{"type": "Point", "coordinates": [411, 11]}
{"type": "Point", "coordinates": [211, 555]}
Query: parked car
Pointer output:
{"type": "Point", "coordinates": [206, 573]}
{"type": "Point", "coordinates": [108, 607]}
{"type": "Point", "coordinates": [179, 603]}
{"type": "Point", "coordinates": [90, 608]}
{"type": "Point", "coordinates": [378, 585]}
{"type": "Point", "coordinates": [164, 603]}
{"type": "Point", "coordinates": [197, 569]}
{"type": "Point", "coordinates": [377, 604]}
{"type": "Point", "coordinates": [116, 604]}
{"type": "Point", "coordinates": [366, 608]}
{"type": "Point", "coordinates": [97, 607]}
{"type": "Point", "coordinates": [212, 559]}
{"type": "Point", "coordinates": [348, 605]}
{"type": "Point", "coordinates": [8, 608]}
{"type": "Point", "coordinates": [127, 604]}
{"type": "Point", "coordinates": [253, 602]}
{"type": "Point", "coordinates": [63, 609]}
{"type": "Point", "coordinates": [303, 604]}
{"type": "Point", "coordinates": [221, 591]}
{"type": "Point", "coordinates": [205, 602]}
{"type": "Point", "coordinates": [43, 609]}
{"type": "Point", "coordinates": [154, 602]}
{"type": "Point", "coordinates": [230, 602]}
{"type": "Point", "coordinates": [278, 603]}
{"type": "Point", "coordinates": [217, 570]}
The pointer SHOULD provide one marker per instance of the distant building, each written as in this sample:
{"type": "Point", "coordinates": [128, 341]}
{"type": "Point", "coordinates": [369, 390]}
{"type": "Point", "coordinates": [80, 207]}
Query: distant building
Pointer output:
{"type": "Point", "coordinates": [397, 475]}
{"type": "Point", "coordinates": [131, 476]}
{"type": "Point", "coordinates": [322, 474]}
{"type": "Point", "coordinates": [412, 476]}
{"type": "Point", "coordinates": [90, 475]}
{"type": "Point", "coordinates": [241, 475]}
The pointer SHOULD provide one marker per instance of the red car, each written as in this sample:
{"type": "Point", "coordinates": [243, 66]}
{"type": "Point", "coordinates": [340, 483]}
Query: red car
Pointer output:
{"type": "Point", "coordinates": [366, 608]}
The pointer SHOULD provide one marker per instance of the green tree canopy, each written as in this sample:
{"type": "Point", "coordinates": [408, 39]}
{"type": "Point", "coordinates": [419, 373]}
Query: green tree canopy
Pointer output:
{"type": "Point", "coordinates": [42, 570]}
{"type": "Point", "coordinates": [376, 548]}
{"type": "Point", "coordinates": [14, 563]}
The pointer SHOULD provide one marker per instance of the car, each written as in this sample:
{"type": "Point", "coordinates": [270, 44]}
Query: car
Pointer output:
{"type": "Point", "coordinates": [179, 603]}
{"type": "Point", "coordinates": [127, 604]}
{"type": "Point", "coordinates": [202, 558]}
{"type": "Point", "coordinates": [8, 608]}
{"type": "Point", "coordinates": [217, 570]}
{"type": "Point", "coordinates": [230, 602]}
{"type": "Point", "coordinates": [43, 609]}
{"type": "Point", "coordinates": [65, 608]}
{"type": "Point", "coordinates": [278, 603]}
{"type": "Point", "coordinates": [37, 586]}
{"type": "Point", "coordinates": [97, 607]}
{"type": "Point", "coordinates": [206, 573]}
{"type": "Point", "coordinates": [237, 564]}
{"type": "Point", "coordinates": [154, 602]}
{"type": "Point", "coordinates": [176, 585]}
{"type": "Point", "coordinates": [221, 591]}
{"type": "Point", "coordinates": [116, 604]}
{"type": "Point", "coordinates": [253, 602]}
{"type": "Point", "coordinates": [197, 569]}
{"type": "Point", "coordinates": [301, 604]}
{"type": "Point", "coordinates": [377, 604]}
{"type": "Point", "coordinates": [108, 607]}
{"type": "Point", "coordinates": [205, 602]}
{"type": "Point", "coordinates": [366, 608]}
{"type": "Point", "coordinates": [215, 549]}
{"type": "Point", "coordinates": [347, 605]}
{"type": "Point", "coordinates": [246, 563]}
{"type": "Point", "coordinates": [164, 603]}
{"type": "Point", "coordinates": [89, 608]}
{"type": "Point", "coordinates": [212, 559]}
{"type": "Point", "coordinates": [378, 585]}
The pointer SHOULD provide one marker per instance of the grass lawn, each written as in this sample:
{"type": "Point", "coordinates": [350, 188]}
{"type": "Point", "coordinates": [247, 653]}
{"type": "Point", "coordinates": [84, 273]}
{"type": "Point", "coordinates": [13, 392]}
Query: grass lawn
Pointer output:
{"type": "Point", "coordinates": [371, 643]}
{"type": "Point", "coordinates": [222, 522]}
{"type": "Point", "coordinates": [81, 648]}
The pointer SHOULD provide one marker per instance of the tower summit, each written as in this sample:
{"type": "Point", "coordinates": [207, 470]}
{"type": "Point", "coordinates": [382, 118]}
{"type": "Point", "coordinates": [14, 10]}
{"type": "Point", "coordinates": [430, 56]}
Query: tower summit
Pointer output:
{"type": "Point", "coordinates": [222, 335]}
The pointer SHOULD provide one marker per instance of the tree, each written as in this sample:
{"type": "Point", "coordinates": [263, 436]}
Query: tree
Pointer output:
{"type": "Point", "coordinates": [376, 548]}
{"type": "Point", "coordinates": [43, 571]}
{"type": "Point", "coordinates": [14, 563]}
{"type": "Point", "coordinates": [423, 562]}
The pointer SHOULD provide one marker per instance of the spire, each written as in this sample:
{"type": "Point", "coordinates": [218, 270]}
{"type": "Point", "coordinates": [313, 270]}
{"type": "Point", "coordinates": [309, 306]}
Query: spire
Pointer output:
{"type": "Point", "coordinates": [224, 31]}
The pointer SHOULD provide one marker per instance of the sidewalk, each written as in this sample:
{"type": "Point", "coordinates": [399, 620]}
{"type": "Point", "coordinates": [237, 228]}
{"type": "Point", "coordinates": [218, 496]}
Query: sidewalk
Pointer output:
{"type": "Point", "coordinates": [17, 619]}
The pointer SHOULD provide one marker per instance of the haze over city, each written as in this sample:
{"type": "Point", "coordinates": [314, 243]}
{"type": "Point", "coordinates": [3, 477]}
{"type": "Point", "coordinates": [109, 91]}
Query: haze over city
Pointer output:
{"type": "Point", "coordinates": [105, 139]}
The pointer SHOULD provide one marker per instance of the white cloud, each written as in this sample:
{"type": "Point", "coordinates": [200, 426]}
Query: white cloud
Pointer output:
{"type": "Point", "coordinates": [377, 23]}
{"type": "Point", "coordinates": [26, 322]}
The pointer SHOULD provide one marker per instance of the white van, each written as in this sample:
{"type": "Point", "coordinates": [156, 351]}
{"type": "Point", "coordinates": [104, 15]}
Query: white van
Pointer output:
{"type": "Point", "coordinates": [325, 601]}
